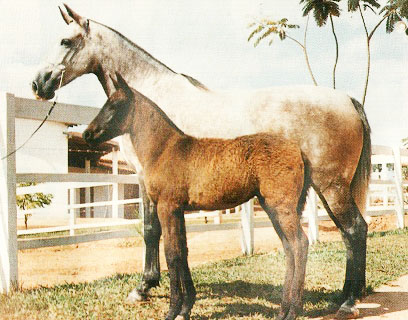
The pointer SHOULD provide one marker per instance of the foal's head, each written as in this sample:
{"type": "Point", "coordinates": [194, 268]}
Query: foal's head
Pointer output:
{"type": "Point", "coordinates": [113, 119]}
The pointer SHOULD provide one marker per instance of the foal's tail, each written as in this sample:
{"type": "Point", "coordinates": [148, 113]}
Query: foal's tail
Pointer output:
{"type": "Point", "coordinates": [359, 184]}
{"type": "Point", "coordinates": [306, 184]}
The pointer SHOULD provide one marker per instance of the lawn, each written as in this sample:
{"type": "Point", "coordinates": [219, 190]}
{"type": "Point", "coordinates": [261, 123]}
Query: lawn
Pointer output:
{"type": "Point", "coordinates": [240, 288]}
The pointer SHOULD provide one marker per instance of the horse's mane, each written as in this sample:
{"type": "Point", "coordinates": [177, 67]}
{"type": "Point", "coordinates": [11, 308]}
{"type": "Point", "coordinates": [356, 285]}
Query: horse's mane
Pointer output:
{"type": "Point", "coordinates": [192, 80]}
{"type": "Point", "coordinates": [195, 82]}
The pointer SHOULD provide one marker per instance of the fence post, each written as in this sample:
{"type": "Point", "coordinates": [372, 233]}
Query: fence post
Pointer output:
{"type": "Point", "coordinates": [247, 227]}
{"type": "Point", "coordinates": [88, 189]}
{"type": "Point", "coordinates": [218, 217]}
{"type": "Point", "coordinates": [311, 209]}
{"type": "Point", "coordinates": [399, 205]}
{"type": "Point", "coordinates": [72, 211]}
{"type": "Point", "coordinates": [8, 208]}
{"type": "Point", "coordinates": [115, 186]}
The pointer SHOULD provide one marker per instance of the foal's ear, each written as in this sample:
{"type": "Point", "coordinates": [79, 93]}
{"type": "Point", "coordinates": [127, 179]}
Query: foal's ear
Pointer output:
{"type": "Point", "coordinates": [83, 22]}
{"type": "Point", "coordinates": [123, 84]}
{"type": "Point", "coordinates": [115, 83]}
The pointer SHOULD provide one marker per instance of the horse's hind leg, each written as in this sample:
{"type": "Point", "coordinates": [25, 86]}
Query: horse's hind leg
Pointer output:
{"type": "Point", "coordinates": [347, 217]}
{"type": "Point", "coordinates": [286, 222]}
{"type": "Point", "coordinates": [151, 236]}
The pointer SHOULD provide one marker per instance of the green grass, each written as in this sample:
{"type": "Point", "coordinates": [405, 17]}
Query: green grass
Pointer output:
{"type": "Point", "coordinates": [240, 288]}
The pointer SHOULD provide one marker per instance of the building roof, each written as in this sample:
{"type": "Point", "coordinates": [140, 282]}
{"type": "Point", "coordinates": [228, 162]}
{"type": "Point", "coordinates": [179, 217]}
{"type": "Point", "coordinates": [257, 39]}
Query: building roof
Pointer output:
{"type": "Point", "coordinates": [79, 151]}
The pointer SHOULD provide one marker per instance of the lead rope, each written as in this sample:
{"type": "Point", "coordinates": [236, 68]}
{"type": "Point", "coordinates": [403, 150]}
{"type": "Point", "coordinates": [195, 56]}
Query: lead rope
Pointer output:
{"type": "Point", "coordinates": [41, 124]}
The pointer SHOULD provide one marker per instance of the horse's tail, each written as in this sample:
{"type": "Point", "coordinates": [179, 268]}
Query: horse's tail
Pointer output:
{"type": "Point", "coordinates": [359, 184]}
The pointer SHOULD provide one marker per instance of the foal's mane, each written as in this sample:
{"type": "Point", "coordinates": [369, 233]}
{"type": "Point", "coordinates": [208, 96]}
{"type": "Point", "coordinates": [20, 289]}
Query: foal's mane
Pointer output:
{"type": "Point", "coordinates": [139, 96]}
{"type": "Point", "coordinates": [192, 80]}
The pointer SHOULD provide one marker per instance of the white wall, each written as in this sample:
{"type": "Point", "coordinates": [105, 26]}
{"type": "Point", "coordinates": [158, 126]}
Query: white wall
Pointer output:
{"type": "Point", "coordinates": [45, 152]}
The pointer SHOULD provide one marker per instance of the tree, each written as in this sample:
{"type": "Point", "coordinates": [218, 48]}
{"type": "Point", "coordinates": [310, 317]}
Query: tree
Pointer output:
{"type": "Point", "coordinates": [32, 201]}
{"type": "Point", "coordinates": [266, 28]}
{"type": "Point", "coordinates": [393, 12]}
{"type": "Point", "coordinates": [322, 10]}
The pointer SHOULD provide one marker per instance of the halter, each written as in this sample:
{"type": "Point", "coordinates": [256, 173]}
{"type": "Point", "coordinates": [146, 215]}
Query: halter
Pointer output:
{"type": "Point", "coordinates": [41, 124]}
{"type": "Point", "coordinates": [67, 58]}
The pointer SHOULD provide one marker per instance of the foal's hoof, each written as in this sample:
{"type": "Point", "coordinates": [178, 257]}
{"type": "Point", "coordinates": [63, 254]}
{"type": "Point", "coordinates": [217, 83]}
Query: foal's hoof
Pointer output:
{"type": "Point", "coordinates": [135, 297]}
{"type": "Point", "coordinates": [182, 317]}
{"type": "Point", "coordinates": [347, 312]}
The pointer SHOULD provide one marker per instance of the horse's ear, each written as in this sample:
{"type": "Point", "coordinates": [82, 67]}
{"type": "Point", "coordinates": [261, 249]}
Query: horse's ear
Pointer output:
{"type": "Point", "coordinates": [83, 22]}
{"type": "Point", "coordinates": [123, 84]}
{"type": "Point", "coordinates": [65, 16]}
{"type": "Point", "coordinates": [115, 83]}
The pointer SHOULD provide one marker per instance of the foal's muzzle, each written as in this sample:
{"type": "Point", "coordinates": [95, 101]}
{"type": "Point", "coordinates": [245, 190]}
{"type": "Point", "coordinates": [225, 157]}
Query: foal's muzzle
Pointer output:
{"type": "Point", "coordinates": [87, 136]}
{"type": "Point", "coordinates": [92, 138]}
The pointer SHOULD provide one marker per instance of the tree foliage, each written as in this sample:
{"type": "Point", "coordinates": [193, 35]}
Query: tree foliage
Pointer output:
{"type": "Point", "coordinates": [33, 200]}
{"type": "Point", "coordinates": [395, 11]}
{"type": "Point", "coordinates": [266, 28]}
{"type": "Point", "coordinates": [321, 9]}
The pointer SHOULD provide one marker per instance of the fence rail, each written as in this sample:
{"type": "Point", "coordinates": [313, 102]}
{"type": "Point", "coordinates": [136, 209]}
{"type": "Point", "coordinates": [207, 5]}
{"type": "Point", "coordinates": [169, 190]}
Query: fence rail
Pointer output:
{"type": "Point", "coordinates": [14, 107]}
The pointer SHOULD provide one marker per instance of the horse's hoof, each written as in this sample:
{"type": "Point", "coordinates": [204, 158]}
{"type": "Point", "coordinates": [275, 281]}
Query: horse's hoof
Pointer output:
{"type": "Point", "coordinates": [180, 318]}
{"type": "Point", "coordinates": [135, 297]}
{"type": "Point", "coordinates": [347, 312]}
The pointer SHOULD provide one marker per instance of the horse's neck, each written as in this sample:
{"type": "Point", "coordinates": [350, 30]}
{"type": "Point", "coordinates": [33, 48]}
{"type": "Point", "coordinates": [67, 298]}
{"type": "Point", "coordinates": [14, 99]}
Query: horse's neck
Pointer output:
{"type": "Point", "coordinates": [142, 72]}
{"type": "Point", "coordinates": [151, 130]}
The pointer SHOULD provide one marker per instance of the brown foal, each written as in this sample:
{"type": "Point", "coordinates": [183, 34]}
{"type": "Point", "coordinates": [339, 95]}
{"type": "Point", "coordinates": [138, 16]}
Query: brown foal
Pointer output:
{"type": "Point", "coordinates": [183, 173]}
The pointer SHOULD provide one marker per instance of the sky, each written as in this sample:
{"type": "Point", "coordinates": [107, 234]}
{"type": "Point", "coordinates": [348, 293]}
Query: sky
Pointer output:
{"type": "Point", "coordinates": [207, 39]}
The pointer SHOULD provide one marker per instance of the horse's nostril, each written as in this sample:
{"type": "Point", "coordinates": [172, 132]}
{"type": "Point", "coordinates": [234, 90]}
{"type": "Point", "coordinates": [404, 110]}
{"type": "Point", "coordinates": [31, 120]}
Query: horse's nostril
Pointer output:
{"type": "Point", "coordinates": [34, 86]}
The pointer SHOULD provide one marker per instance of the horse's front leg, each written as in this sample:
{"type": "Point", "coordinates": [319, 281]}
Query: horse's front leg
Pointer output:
{"type": "Point", "coordinates": [182, 292]}
{"type": "Point", "coordinates": [151, 236]}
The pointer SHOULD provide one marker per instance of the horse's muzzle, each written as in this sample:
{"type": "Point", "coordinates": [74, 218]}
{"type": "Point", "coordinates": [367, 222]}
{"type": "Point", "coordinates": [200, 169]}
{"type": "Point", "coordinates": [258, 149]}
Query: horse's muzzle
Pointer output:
{"type": "Point", "coordinates": [40, 93]}
{"type": "Point", "coordinates": [45, 83]}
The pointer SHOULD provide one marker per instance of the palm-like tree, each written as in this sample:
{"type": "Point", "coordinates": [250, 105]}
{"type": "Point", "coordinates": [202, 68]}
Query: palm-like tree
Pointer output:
{"type": "Point", "coordinates": [393, 12]}
{"type": "Point", "coordinates": [323, 10]}
{"type": "Point", "coordinates": [266, 28]}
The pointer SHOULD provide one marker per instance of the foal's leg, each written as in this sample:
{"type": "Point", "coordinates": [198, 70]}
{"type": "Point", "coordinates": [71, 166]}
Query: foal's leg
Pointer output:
{"type": "Point", "coordinates": [344, 212]}
{"type": "Point", "coordinates": [286, 222]}
{"type": "Point", "coordinates": [151, 236]}
{"type": "Point", "coordinates": [186, 280]}
{"type": "Point", "coordinates": [182, 292]}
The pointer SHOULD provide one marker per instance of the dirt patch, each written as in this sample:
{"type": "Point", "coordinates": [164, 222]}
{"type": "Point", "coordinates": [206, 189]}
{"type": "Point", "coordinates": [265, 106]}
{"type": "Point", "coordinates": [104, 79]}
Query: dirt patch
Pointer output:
{"type": "Point", "coordinates": [95, 260]}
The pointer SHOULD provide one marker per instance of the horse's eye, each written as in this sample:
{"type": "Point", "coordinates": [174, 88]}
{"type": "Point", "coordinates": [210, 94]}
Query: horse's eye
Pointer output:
{"type": "Point", "coordinates": [66, 42]}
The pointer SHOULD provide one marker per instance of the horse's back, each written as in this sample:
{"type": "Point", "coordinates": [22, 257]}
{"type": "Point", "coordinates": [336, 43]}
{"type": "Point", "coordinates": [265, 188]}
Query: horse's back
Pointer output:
{"type": "Point", "coordinates": [324, 122]}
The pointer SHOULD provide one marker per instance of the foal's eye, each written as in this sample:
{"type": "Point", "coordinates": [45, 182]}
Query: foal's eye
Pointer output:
{"type": "Point", "coordinates": [66, 42]}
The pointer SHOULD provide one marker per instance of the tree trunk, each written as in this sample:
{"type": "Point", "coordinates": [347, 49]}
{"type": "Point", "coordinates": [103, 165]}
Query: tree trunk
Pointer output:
{"type": "Point", "coordinates": [337, 52]}
{"type": "Point", "coordinates": [306, 55]}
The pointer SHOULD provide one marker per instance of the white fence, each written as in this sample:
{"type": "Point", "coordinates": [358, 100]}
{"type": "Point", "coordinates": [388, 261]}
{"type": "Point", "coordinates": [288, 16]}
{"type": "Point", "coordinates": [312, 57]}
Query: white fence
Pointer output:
{"type": "Point", "coordinates": [12, 107]}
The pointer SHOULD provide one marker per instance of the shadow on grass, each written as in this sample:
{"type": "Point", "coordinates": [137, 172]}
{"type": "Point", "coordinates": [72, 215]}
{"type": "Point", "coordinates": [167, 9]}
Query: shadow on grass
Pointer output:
{"type": "Point", "coordinates": [317, 302]}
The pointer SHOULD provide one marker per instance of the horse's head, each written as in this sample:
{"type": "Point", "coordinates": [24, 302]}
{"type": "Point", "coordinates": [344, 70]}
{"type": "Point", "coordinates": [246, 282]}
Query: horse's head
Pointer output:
{"type": "Point", "coordinates": [73, 56]}
{"type": "Point", "coordinates": [113, 119]}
